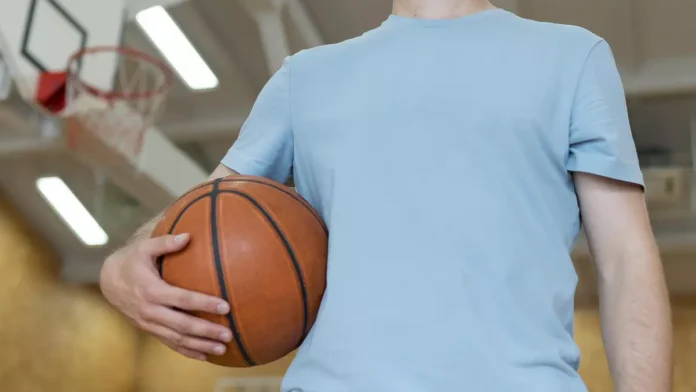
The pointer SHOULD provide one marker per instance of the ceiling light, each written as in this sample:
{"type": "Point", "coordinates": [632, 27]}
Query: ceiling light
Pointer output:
{"type": "Point", "coordinates": [176, 48]}
{"type": "Point", "coordinates": [75, 215]}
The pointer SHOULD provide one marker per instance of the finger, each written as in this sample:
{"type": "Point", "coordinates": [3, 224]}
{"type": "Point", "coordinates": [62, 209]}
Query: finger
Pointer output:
{"type": "Point", "coordinates": [185, 324]}
{"type": "Point", "coordinates": [176, 297]}
{"type": "Point", "coordinates": [162, 245]}
{"type": "Point", "coordinates": [181, 341]}
{"type": "Point", "coordinates": [202, 346]}
{"type": "Point", "coordinates": [184, 351]}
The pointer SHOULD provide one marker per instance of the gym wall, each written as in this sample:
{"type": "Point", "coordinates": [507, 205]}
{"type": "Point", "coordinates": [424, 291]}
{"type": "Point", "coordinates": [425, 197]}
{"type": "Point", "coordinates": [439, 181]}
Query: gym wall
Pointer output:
{"type": "Point", "coordinates": [162, 370]}
{"type": "Point", "coordinates": [593, 363]}
{"type": "Point", "coordinates": [55, 337]}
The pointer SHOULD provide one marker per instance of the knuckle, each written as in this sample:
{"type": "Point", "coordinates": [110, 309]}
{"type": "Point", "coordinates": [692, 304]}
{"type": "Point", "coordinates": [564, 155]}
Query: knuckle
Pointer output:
{"type": "Point", "coordinates": [188, 343]}
{"type": "Point", "coordinates": [164, 242]}
{"type": "Point", "coordinates": [185, 300]}
{"type": "Point", "coordinates": [188, 354]}
{"type": "Point", "coordinates": [140, 323]}
{"type": "Point", "coordinates": [201, 329]}
{"type": "Point", "coordinates": [167, 335]}
{"type": "Point", "coordinates": [210, 331]}
{"type": "Point", "coordinates": [178, 340]}
{"type": "Point", "coordinates": [140, 248]}
{"type": "Point", "coordinates": [200, 345]}
{"type": "Point", "coordinates": [149, 293]}
{"type": "Point", "coordinates": [167, 342]}
{"type": "Point", "coordinates": [185, 326]}
{"type": "Point", "coordinates": [146, 313]}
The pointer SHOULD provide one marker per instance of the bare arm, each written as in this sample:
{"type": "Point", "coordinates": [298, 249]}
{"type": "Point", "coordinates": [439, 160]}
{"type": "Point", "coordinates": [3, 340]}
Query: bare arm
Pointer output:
{"type": "Point", "coordinates": [145, 230]}
{"type": "Point", "coordinates": [129, 280]}
{"type": "Point", "coordinates": [634, 302]}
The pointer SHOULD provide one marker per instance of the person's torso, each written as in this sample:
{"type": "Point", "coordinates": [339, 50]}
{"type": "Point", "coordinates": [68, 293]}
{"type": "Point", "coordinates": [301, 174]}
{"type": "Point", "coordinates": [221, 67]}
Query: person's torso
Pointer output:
{"type": "Point", "coordinates": [436, 153]}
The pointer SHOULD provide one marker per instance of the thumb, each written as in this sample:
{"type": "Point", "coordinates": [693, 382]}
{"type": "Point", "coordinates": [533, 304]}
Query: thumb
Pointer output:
{"type": "Point", "coordinates": [162, 245]}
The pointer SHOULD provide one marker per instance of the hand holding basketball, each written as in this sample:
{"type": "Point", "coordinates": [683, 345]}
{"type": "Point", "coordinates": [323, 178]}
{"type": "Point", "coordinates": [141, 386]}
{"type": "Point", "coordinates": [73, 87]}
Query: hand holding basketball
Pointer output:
{"type": "Point", "coordinates": [258, 245]}
{"type": "Point", "coordinates": [130, 281]}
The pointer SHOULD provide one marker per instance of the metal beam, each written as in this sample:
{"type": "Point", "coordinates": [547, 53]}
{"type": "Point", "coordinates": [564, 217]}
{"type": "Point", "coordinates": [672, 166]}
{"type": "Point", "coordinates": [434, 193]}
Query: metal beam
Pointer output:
{"type": "Point", "coordinates": [5, 80]}
{"type": "Point", "coordinates": [204, 129]}
{"type": "Point", "coordinates": [626, 23]}
{"type": "Point", "coordinates": [25, 147]}
{"type": "Point", "coordinates": [213, 49]}
{"type": "Point", "coordinates": [206, 41]}
{"type": "Point", "coordinates": [167, 167]}
{"type": "Point", "coordinates": [509, 5]}
{"type": "Point", "coordinates": [135, 6]}
{"type": "Point", "coordinates": [692, 129]}
{"type": "Point", "coordinates": [268, 15]}
{"type": "Point", "coordinates": [160, 173]}
{"type": "Point", "coordinates": [300, 17]}
{"type": "Point", "coordinates": [273, 38]}
{"type": "Point", "coordinates": [659, 76]}
{"type": "Point", "coordinates": [256, 6]}
{"type": "Point", "coordinates": [14, 120]}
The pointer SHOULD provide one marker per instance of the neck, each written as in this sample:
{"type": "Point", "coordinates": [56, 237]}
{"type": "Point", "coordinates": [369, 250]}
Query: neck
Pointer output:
{"type": "Point", "coordinates": [439, 9]}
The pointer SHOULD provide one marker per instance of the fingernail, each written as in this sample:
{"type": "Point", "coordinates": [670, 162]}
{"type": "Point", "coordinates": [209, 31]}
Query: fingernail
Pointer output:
{"type": "Point", "coordinates": [223, 308]}
{"type": "Point", "coordinates": [219, 350]}
{"type": "Point", "coordinates": [226, 336]}
{"type": "Point", "coordinates": [180, 237]}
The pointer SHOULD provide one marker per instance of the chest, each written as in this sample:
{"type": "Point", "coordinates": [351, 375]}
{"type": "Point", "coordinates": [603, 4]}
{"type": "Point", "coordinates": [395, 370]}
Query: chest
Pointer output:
{"type": "Point", "coordinates": [444, 106]}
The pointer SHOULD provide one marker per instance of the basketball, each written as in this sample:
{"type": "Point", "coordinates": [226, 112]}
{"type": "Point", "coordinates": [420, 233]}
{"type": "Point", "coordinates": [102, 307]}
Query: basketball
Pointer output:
{"type": "Point", "coordinates": [258, 245]}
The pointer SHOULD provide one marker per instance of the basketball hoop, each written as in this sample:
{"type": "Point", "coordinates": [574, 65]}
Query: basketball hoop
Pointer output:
{"type": "Point", "coordinates": [117, 115]}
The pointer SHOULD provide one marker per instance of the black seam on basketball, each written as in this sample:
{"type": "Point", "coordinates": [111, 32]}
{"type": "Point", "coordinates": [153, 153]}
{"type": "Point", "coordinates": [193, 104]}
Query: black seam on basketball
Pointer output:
{"type": "Point", "coordinates": [173, 226]}
{"type": "Point", "coordinates": [199, 187]}
{"type": "Point", "coordinates": [294, 196]}
{"type": "Point", "coordinates": [203, 185]}
{"type": "Point", "coordinates": [220, 274]}
{"type": "Point", "coordinates": [291, 253]}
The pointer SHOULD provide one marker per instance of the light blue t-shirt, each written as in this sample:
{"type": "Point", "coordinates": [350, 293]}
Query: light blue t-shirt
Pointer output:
{"type": "Point", "coordinates": [439, 153]}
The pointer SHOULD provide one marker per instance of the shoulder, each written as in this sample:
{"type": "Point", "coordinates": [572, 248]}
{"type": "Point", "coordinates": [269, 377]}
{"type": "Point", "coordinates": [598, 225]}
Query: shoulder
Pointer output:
{"type": "Point", "coordinates": [321, 57]}
{"type": "Point", "coordinates": [563, 37]}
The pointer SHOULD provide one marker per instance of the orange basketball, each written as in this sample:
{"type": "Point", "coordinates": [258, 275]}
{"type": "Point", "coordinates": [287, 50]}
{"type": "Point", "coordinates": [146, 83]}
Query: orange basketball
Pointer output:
{"type": "Point", "coordinates": [261, 247]}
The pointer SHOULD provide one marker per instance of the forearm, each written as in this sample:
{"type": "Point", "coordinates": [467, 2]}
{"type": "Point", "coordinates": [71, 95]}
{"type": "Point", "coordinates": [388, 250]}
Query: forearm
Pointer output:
{"type": "Point", "coordinates": [145, 231]}
{"type": "Point", "coordinates": [636, 324]}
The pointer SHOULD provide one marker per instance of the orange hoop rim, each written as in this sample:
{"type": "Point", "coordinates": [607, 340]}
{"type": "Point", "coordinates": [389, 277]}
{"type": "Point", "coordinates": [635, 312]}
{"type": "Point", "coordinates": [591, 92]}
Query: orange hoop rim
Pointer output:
{"type": "Point", "coordinates": [122, 50]}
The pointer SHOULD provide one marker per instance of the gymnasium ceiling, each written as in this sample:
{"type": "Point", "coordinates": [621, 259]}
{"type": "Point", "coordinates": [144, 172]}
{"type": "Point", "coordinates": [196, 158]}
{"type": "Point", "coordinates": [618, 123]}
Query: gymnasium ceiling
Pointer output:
{"type": "Point", "coordinates": [652, 40]}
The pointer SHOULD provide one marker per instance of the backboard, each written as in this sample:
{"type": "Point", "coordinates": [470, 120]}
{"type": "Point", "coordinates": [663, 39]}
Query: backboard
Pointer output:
{"type": "Point", "coordinates": [40, 35]}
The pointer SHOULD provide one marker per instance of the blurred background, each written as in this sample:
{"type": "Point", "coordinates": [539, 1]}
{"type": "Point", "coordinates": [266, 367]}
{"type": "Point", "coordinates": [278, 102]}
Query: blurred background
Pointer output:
{"type": "Point", "coordinates": [68, 198]}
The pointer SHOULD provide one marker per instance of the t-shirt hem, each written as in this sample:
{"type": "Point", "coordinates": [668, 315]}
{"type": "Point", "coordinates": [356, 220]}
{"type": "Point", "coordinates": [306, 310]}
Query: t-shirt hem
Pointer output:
{"type": "Point", "coordinates": [613, 171]}
{"type": "Point", "coordinates": [235, 160]}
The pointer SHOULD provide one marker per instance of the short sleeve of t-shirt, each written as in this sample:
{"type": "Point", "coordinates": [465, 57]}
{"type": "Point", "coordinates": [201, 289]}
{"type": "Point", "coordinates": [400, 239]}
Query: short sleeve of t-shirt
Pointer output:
{"type": "Point", "coordinates": [265, 144]}
{"type": "Point", "coordinates": [600, 134]}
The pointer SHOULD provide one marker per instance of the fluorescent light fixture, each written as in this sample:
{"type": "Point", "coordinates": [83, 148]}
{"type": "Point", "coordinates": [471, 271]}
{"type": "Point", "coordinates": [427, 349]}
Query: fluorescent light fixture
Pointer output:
{"type": "Point", "coordinates": [178, 50]}
{"type": "Point", "coordinates": [75, 215]}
